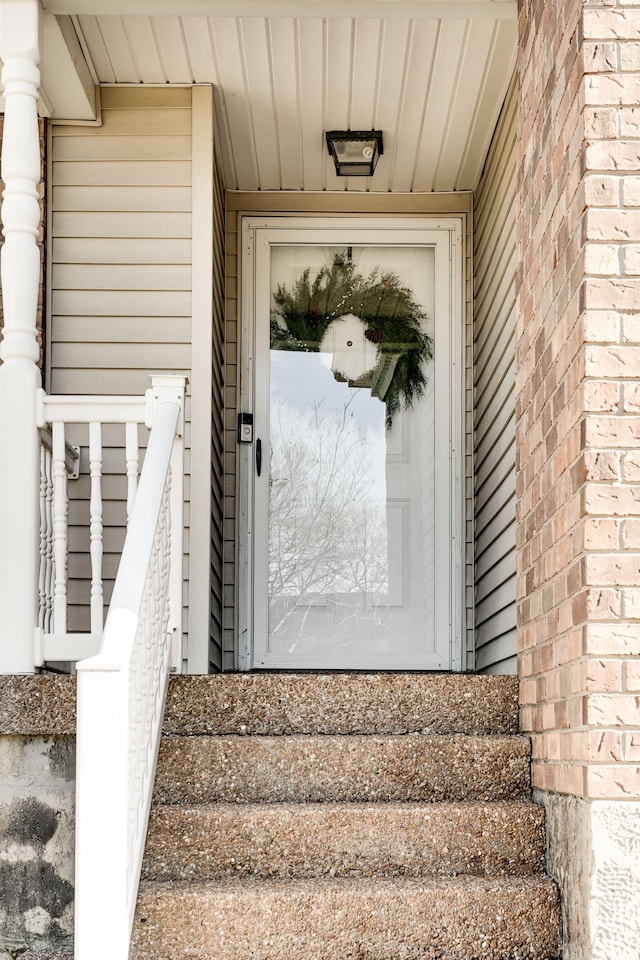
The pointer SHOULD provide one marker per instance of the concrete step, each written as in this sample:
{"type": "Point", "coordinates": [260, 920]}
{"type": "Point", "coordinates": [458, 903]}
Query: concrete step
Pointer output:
{"type": "Point", "coordinates": [398, 919]}
{"type": "Point", "coordinates": [382, 703]}
{"type": "Point", "coordinates": [344, 840]}
{"type": "Point", "coordinates": [307, 769]}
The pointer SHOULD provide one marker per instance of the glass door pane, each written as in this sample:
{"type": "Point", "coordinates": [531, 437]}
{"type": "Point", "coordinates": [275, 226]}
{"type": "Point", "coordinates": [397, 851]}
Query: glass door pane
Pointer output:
{"type": "Point", "coordinates": [351, 457]}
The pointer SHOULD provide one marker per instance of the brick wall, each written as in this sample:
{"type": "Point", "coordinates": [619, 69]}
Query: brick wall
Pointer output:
{"type": "Point", "coordinates": [41, 241]}
{"type": "Point", "coordinates": [578, 394]}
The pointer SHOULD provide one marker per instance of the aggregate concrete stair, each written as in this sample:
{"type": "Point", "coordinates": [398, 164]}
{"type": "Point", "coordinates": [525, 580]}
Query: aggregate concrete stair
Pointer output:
{"type": "Point", "coordinates": [325, 817]}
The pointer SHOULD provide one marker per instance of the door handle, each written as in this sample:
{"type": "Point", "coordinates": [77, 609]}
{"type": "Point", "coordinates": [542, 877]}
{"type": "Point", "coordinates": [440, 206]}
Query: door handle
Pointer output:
{"type": "Point", "coordinates": [258, 456]}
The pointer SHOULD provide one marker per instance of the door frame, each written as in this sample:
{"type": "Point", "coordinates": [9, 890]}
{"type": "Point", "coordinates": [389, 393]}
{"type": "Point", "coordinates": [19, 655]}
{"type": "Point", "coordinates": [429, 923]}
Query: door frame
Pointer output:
{"type": "Point", "coordinates": [362, 230]}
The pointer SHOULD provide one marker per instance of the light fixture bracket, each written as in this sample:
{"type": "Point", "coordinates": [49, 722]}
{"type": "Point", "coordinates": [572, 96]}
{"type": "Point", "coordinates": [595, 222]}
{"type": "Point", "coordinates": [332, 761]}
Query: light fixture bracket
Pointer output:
{"type": "Point", "coordinates": [354, 152]}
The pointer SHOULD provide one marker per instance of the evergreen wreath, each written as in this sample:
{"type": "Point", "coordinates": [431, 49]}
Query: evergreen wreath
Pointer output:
{"type": "Point", "coordinates": [387, 309]}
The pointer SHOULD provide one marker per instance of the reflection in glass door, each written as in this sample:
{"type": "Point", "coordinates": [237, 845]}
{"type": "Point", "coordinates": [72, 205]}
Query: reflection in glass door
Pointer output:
{"type": "Point", "coordinates": [346, 506]}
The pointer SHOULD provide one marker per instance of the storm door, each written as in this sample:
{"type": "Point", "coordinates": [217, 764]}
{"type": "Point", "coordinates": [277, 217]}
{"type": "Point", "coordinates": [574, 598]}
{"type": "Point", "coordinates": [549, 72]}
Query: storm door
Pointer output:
{"type": "Point", "coordinates": [351, 521]}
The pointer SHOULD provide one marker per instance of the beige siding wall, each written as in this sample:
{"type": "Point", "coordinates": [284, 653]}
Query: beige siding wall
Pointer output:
{"type": "Point", "coordinates": [494, 409]}
{"type": "Point", "coordinates": [325, 205]}
{"type": "Point", "coordinates": [217, 430]}
{"type": "Point", "coordinates": [120, 281]}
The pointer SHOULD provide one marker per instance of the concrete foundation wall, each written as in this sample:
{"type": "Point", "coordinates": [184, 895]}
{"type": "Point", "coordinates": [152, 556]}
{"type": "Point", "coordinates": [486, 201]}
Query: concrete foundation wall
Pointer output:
{"type": "Point", "coordinates": [593, 853]}
{"type": "Point", "coordinates": [37, 818]}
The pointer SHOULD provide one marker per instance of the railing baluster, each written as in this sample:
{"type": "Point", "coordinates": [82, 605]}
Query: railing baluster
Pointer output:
{"type": "Point", "coordinates": [96, 526]}
{"type": "Point", "coordinates": [60, 532]}
{"type": "Point", "coordinates": [49, 542]}
{"type": "Point", "coordinates": [133, 458]}
{"type": "Point", "coordinates": [42, 577]}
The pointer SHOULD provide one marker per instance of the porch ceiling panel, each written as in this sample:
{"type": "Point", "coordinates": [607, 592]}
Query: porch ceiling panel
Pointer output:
{"type": "Point", "coordinates": [433, 85]}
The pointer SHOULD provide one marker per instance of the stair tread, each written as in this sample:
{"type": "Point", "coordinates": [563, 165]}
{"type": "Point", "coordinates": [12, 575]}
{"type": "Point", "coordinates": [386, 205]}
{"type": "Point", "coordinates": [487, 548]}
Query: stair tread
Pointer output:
{"type": "Point", "coordinates": [458, 918]}
{"type": "Point", "coordinates": [325, 768]}
{"type": "Point", "coordinates": [345, 839]}
{"type": "Point", "coordinates": [281, 704]}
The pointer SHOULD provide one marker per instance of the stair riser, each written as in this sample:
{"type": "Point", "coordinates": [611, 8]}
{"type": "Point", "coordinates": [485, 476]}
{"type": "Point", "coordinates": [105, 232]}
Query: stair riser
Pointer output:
{"type": "Point", "coordinates": [322, 769]}
{"type": "Point", "coordinates": [393, 920]}
{"type": "Point", "coordinates": [304, 841]}
{"type": "Point", "coordinates": [287, 704]}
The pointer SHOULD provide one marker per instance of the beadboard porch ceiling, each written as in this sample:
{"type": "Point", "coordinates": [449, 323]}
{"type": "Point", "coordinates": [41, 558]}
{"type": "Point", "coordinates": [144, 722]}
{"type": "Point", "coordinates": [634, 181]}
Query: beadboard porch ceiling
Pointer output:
{"type": "Point", "coordinates": [431, 75]}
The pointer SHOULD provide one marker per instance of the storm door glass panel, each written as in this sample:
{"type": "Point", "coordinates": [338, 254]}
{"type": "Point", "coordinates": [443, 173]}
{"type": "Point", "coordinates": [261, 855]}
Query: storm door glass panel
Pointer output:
{"type": "Point", "coordinates": [351, 554]}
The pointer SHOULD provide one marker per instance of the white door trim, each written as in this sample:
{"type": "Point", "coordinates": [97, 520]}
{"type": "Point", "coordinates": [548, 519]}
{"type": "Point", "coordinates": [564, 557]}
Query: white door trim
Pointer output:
{"type": "Point", "coordinates": [257, 234]}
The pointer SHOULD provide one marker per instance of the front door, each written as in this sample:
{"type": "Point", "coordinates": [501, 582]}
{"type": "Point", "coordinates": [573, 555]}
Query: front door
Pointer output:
{"type": "Point", "coordinates": [352, 476]}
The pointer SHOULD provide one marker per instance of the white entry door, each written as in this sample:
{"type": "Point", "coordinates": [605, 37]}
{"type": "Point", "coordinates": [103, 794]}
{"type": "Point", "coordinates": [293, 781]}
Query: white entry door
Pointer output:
{"type": "Point", "coordinates": [352, 478]}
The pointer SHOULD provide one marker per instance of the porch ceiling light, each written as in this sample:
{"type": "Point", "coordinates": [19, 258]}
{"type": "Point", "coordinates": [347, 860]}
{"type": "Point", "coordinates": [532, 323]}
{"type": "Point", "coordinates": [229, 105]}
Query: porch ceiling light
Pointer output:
{"type": "Point", "coordinates": [355, 152]}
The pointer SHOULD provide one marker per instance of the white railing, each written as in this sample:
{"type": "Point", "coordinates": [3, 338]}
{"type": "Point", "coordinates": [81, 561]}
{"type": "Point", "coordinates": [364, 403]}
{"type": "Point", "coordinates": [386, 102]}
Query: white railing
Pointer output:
{"type": "Point", "coordinates": [46, 580]}
{"type": "Point", "coordinates": [83, 418]}
{"type": "Point", "coordinates": [121, 694]}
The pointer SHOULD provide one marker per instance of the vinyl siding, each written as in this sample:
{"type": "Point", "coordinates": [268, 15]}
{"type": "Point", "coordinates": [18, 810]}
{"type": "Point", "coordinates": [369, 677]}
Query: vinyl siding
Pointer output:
{"type": "Point", "coordinates": [120, 285]}
{"type": "Point", "coordinates": [494, 408]}
{"type": "Point", "coordinates": [217, 431]}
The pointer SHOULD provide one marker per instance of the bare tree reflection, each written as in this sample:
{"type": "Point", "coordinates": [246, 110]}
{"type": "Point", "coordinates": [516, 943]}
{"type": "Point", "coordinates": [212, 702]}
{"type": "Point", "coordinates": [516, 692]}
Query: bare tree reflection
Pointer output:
{"type": "Point", "coordinates": [328, 531]}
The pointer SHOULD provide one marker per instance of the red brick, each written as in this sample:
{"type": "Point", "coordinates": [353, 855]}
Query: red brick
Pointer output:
{"type": "Point", "coordinates": [631, 603]}
{"type": "Point", "coordinates": [578, 392]}
{"type": "Point", "coordinates": [601, 465]}
{"type": "Point", "coordinates": [629, 121]}
{"type": "Point", "coordinates": [612, 361]}
{"type": "Point", "coordinates": [621, 225]}
{"type": "Point", "coordinates": [632, 676]}
{"type": "Point", "coordinates": [631, 747]}
{"type": "Point", "coordinates": [602, 258]}
{"type": "Point", "coordinates": [631, 466]}
{"type": "Point", "coordinates": [612, 710]}
{"type": "Point", "coordinates": [600, 57]}
{"type": "Point", "coordinates": [600, 395]}
{"type": "Point", "coordinates": [601, 430]}
{"type": "Point", "coordinates": [600, 326]}
{"type": "Point", "coordinates": [629, 54]}
{"type": "Point", "coordinates": [602, 190]}
{"type": "Point", "coordinates": [603, 676]}
{"type": "Point", "coordinates": [612, 639]}
{"type": "Point", "coordinates": [615, 782]}
{"type": "Point", "coordinates": [600, 122]}
{"type": "Point", "coordinates": [631, 534]}
{"type": "Point", "coordinates": [631, 259]}
{"type": "Point", "coordinates": [631, 192]}
{"type": "Point", "coordinates": [601, 534]}
{"type": "Point", "coordinates": [595, 604]}
{"type": "Point", "coordinates": [612, 293]}
{"type": "Point", "coordinates": [631, 398]}
{"type": "Point", "coordinates": [600, 89]}
{"type": "Point", "coordinates": [612, 569]}
{"type": "Point", "coordinates": [611, 24]}
{"type": "Point", "coordinates": [605, 746]}
{"type": "Point", "coordinates": [615, 154]}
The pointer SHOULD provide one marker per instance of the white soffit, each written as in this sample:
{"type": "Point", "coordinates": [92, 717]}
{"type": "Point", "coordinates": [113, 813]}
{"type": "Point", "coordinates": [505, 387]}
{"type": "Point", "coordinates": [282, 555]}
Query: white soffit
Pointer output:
{"type": "Point", "coordinates": [433, 86]}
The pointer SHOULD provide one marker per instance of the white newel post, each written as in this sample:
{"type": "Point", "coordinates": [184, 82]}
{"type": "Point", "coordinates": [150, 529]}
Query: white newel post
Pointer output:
{"type": "Point", "coordinates": [19, 374]}
{"type": "Point", "coordinates": [170, 388]}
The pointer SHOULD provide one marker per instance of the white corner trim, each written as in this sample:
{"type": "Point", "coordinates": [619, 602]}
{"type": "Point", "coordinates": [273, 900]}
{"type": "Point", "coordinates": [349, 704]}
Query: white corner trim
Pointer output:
{"type": "Point", "coordinates": [197, 659]}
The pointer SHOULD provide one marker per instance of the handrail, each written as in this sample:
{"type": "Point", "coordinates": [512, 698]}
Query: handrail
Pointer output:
{"type": "Point", "coordinates": [61, 408]}
{"type": "Point", "coordinates": [121, 694]}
